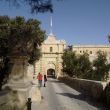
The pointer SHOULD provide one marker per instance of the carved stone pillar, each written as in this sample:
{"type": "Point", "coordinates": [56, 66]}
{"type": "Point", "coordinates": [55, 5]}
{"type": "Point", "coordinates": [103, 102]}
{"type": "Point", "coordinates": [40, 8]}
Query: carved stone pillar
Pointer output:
{"type": "Point", "coordinates": [18, 75]}
{"type": "Point", "coordinates": [18, 83]}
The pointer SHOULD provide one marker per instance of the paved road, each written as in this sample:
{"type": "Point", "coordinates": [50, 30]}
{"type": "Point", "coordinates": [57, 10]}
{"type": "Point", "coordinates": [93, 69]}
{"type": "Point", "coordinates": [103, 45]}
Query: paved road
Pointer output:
{"type": "Point", "coordinates": [58, 96]}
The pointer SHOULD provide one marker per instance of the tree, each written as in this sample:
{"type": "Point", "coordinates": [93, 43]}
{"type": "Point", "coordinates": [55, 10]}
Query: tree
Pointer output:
{"type": "Point", "coordinates": [19, 37]}
{"type": "Point", "coordinates": [69, 62]}
{"type": "Point", "coordinates": [26, 36]}
{"type": "Point", "coordinates": [84, 66]}
{"type": "Point", "coordinates": [102, 67]}
{"type": "Point", "coordinates": [109, 38]}
{"type": "Point", "coordinates": [35, 5]}
{"type": "Point", "coordinates": [79, 66]}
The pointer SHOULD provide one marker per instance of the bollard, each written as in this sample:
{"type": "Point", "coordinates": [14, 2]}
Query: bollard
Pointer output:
{"type": "Point", "coordinates": [29, 104]}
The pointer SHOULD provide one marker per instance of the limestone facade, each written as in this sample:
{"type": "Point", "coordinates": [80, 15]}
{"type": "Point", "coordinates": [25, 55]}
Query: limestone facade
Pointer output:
{"type": "Point", "coordinates": [92, 50]}
{"type": "Point", "coordinates": [52, 51]}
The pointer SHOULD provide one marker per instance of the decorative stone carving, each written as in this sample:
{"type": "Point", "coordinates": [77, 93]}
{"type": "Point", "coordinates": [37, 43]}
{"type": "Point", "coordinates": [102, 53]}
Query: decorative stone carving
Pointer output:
{"type": "Point", "coordinates": [51, 57]}
{"type": "Point", "coordinates": [18, 84]}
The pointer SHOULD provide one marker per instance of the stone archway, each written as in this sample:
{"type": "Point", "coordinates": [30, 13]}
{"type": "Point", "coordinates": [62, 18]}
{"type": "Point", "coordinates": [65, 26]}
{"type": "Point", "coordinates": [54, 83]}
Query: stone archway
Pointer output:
{"type": "Point", "coordinates": [51, 73]}
{"type": "Point", "coordinates": [51, 69]}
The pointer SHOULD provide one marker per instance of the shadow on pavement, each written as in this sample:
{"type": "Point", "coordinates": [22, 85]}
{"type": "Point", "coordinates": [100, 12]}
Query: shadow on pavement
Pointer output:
{"type": "Point", "coordinates": [53, 80]}
{"type": "Point", "coordinates": [82, 97]}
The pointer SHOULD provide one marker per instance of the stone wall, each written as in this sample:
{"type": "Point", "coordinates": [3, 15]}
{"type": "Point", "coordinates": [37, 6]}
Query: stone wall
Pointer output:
{"type": "Point", "coordinates": [93, 89]}
{"type": "Point", "coordinates": [107, 93]}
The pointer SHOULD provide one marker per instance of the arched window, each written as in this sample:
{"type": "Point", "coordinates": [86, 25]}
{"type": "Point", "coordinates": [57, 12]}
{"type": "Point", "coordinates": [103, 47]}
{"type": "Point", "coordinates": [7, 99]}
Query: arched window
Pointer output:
{"type": "Point", "coordinates": [90, 52]}
{"type": "Point", "coordinates": [51, 49]}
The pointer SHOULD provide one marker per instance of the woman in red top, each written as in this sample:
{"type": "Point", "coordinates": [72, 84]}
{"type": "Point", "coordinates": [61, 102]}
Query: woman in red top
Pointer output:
{"type": "Point", "coordinates": [39, 77]}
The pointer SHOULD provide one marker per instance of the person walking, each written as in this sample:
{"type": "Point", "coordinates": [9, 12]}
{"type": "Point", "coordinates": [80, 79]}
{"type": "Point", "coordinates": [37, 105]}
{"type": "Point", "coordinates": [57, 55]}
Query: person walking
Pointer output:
{"type": "Point", "coordinates": [39, 77]}
{"type": "Point", "coordinates": [45, 79]}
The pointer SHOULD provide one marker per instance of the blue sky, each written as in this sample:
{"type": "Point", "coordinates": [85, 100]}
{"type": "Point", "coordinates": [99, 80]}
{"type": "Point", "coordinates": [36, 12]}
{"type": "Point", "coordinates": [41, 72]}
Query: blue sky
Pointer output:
{"type": "Point", "coordinates": [75, 21]}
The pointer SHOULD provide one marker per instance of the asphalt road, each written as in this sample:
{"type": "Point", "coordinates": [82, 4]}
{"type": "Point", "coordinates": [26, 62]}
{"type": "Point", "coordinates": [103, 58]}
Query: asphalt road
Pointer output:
{"type": "Point", "coordinates": [58, 96]}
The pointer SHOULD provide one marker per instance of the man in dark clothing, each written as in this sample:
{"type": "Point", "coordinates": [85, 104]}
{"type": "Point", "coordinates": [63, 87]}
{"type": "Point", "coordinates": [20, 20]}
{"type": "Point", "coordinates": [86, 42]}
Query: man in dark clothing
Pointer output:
{"type": "Point", "coordinates": [45, 79]}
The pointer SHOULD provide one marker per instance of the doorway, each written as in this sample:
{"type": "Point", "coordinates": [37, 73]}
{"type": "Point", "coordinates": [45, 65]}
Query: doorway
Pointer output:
{"type": "Point", "coordinates": [51, 73]}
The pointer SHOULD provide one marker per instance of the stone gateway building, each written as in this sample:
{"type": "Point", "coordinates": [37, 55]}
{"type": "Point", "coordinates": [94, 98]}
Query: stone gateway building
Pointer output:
{"type": "Point", "coordinates": [50, 62]}
{"type": "Point", "coordinates": [52, 50]}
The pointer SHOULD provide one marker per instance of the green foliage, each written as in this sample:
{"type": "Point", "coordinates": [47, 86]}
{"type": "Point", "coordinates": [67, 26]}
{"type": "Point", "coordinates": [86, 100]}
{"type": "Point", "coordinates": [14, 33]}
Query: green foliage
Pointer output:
{"type": "Point", "coordinates": [81, 67]}
{"type": "Point", "coordinates": [84, 66]}
{"type": "Point", "coordinates": [102, 67]}
{"type": "Point", "coordinates": [78, 66]}
{"type": "Point", "coordinates": [18, 37]}
{"type": "Point", "coordinates": [36, 6]}
{"type": "Point", "coordinates": [109, 38]}
{"type": "Point", "coordinates": [69, 62]}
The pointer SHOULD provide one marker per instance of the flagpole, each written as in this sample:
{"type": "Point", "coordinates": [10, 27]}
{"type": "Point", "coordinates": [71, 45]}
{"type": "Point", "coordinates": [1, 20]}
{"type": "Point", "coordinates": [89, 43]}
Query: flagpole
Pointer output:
{"type": "Point", "coordinates": [51, 26]}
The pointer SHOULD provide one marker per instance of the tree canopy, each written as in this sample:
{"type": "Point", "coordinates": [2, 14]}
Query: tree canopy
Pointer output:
{"type": "Point", "coordinates": [80, 66]}
{"type": "Point", "coordinates": [69, 62]}
{"type": "Point", "coordinates": [84, 66]}
{"type": "Point", "coordinates": [20, 36]}
{"type": "Point", "coordinates": [101, 66]}
{"type": "Point", "coordinates": [35, 5]}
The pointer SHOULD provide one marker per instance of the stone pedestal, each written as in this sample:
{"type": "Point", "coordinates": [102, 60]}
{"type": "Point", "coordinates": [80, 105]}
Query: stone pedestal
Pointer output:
{"type": "Point", "coordinates": [35, 94]}
{"type": "Point", "coordinates": [18, 81]}
{"type": "Point", "coordinates": [18, 76]}
{"type": "Point", "coordinates": [19, 70]}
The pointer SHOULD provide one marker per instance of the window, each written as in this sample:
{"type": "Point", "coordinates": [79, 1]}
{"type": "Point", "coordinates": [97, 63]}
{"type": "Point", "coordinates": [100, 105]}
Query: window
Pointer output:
{"type": "Point", "coordinates": [86, 51]}
{"type": "Point", "coordinates": [90, 52]}
{"type": "Point", "coordinates": [51, 49]}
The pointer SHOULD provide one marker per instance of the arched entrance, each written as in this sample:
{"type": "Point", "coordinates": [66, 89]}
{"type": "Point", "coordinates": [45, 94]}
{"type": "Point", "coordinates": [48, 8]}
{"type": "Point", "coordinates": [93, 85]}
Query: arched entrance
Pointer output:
{"type": "Point", "coordinates": [51, 70]}
{"type": "Point", "coordinates": [51, 73]}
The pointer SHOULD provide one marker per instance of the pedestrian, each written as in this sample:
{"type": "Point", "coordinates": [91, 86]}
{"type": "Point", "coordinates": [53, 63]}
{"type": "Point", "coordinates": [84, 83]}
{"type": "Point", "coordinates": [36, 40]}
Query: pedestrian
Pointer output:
{"type": "Point", "coordinates": [45, 80]}
{"type": "Point", "coordinates": [39, 77]}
